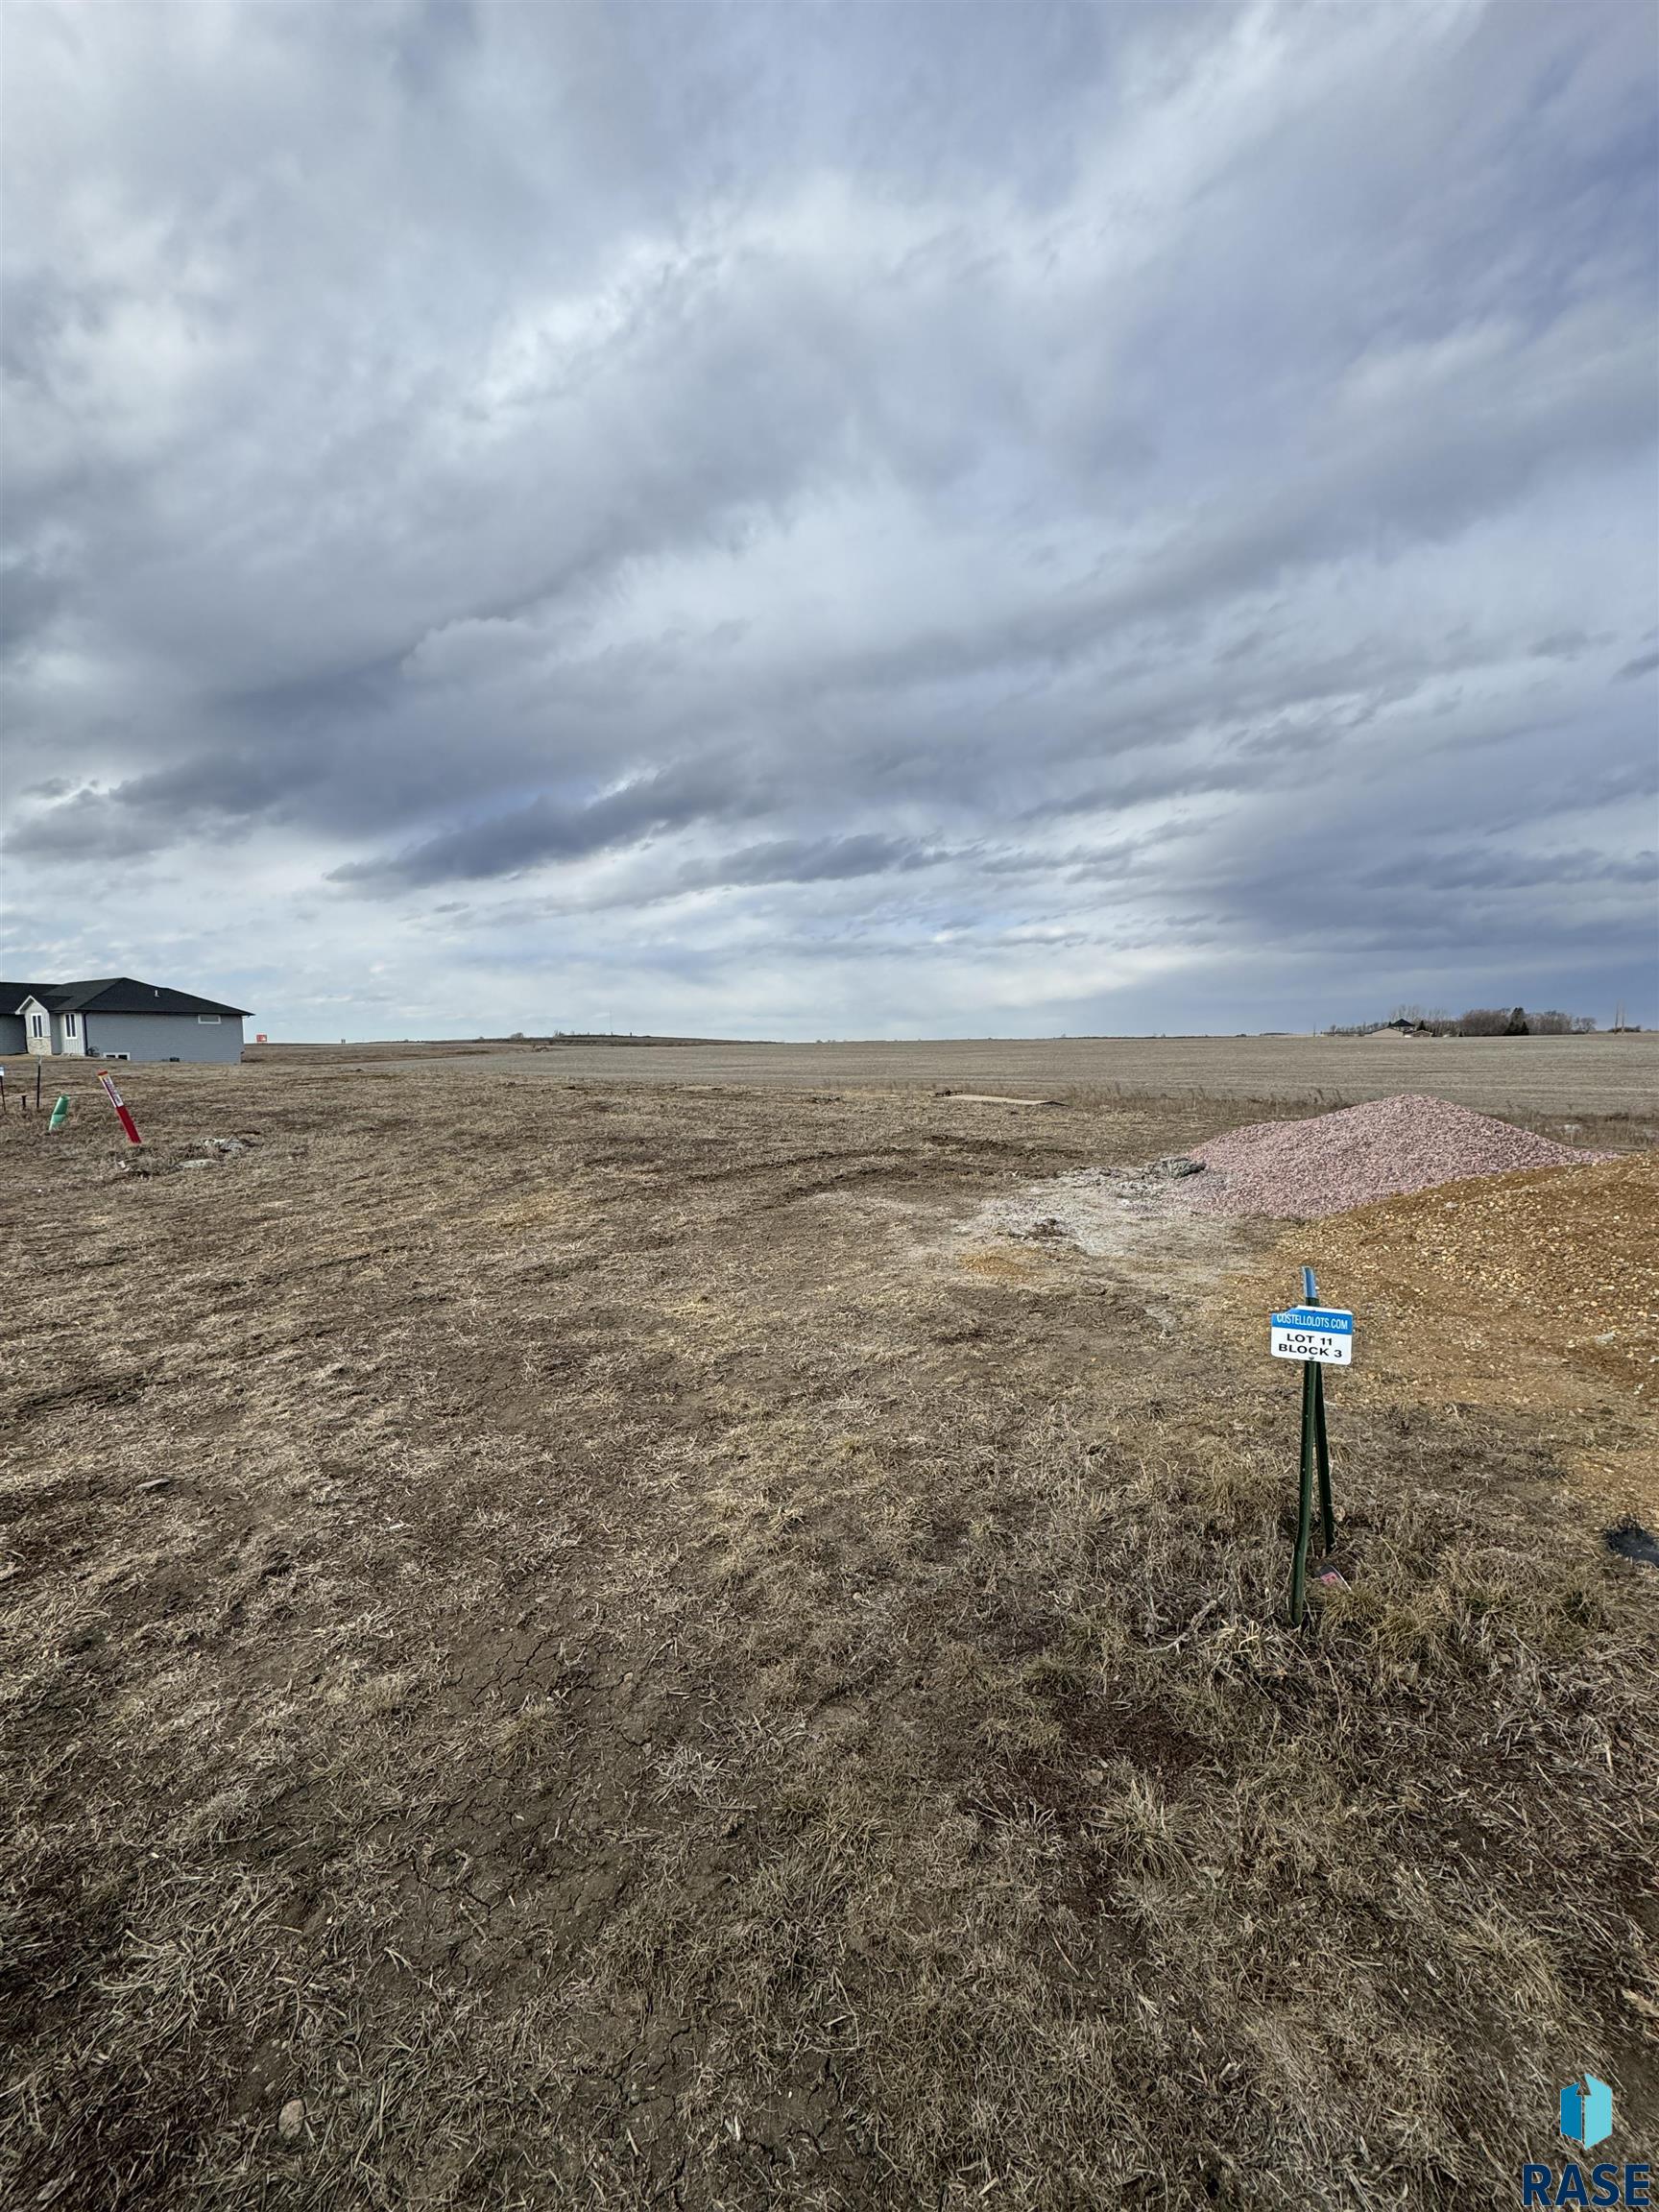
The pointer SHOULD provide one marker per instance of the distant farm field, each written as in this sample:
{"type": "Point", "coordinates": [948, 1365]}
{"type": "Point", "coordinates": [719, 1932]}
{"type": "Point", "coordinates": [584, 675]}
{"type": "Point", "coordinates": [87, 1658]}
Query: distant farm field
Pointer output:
{"type": "Point", "coordinates": [582, 1628]}
{"type": "Point", "coordinates": [1605, 1074]}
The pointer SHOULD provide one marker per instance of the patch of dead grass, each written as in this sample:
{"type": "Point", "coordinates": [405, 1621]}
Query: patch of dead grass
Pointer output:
{"type": "Point", "coordinates": [731, 1717]}
{"type": "Point", "coordinates": [996, 1265]}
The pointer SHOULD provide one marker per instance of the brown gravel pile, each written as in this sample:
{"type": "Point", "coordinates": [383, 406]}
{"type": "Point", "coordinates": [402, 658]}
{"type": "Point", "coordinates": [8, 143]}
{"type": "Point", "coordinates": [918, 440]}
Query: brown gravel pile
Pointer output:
{"type": "Point", "coordinates": [1383, 1149]}
{"type": "Point", "coordinates": [1535, 1293]}
{"type": "Point", "coordinates": [1569, 1264]}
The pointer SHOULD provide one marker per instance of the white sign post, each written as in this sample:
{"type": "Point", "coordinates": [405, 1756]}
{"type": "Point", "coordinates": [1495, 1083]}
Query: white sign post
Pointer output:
{"type": "Point", "coordinates": [1312, 1332]}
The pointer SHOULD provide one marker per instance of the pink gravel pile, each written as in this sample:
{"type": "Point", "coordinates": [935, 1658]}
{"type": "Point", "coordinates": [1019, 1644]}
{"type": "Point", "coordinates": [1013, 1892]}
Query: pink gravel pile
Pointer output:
{"type": "Point", "coordinates": [1299, 1169]}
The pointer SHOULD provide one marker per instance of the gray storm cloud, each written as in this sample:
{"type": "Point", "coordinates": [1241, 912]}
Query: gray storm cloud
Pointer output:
{"type": "Point", "coordinates": [871, 519]}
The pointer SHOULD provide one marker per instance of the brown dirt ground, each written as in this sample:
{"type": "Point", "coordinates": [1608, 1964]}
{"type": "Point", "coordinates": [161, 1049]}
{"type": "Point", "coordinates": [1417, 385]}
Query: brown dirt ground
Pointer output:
{"type": "Point", "coordinates": [1537, 1291]}
{"type": "Point", "coordinates": [583, 1644]}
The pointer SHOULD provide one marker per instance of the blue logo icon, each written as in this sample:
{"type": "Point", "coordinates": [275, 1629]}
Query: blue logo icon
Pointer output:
{"type": "Point", "coordinates": [1587, 2111]}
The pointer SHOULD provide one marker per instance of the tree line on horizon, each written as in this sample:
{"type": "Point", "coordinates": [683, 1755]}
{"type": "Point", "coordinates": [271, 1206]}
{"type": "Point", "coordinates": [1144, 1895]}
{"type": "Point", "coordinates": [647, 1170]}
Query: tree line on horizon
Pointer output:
{"type": "Point", "coordinates": [1478, 1021]}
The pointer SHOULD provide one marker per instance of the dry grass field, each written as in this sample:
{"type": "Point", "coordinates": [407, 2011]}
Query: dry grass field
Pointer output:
{"type": "Point", "coordinates": [573, 1641]}
{"type": "Point", "coordinates": [1602, 1074]}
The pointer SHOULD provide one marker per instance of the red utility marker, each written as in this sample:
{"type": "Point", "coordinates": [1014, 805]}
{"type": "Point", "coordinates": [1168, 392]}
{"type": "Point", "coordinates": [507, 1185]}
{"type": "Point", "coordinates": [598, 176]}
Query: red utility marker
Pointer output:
{"type": "Point", "coordinates": [115, 1099]}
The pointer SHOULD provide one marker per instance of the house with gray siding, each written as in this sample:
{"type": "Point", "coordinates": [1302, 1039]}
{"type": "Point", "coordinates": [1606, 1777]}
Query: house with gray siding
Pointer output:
{"type": "Point", "coordinates": [117, 1018]}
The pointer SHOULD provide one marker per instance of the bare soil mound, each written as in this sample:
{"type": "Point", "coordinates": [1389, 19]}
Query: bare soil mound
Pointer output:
{"type": "Point", "coordinates": [1477, 1275]}
{"type": "Point", "coordinates": [1536, 1294]}
{"type": "Point", "coordinates": [1383, 1149]}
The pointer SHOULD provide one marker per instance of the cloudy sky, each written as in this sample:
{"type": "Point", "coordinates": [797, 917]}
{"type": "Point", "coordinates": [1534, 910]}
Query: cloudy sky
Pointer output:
{"type": "Point", "coordinates": [831, 521]}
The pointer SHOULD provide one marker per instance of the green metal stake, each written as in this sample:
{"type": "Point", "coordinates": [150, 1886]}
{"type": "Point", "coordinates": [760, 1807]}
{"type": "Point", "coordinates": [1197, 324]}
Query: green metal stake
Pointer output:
{"type": "Point", "coordinates": [1316, 1452]}
{"type": "Point", "coordinates": [1305, 1500]}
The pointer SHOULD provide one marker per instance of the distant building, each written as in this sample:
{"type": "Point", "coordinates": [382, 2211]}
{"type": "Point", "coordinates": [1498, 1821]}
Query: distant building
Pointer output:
{"type": "Point", "coordinates": [116, 1018]}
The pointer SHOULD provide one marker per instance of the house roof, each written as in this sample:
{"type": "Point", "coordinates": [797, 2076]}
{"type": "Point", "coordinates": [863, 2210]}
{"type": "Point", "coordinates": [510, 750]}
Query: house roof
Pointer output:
{"type": "Point", "coordinates": [57, 996]}
{"type": "Point", "coordinates": [111, 994]}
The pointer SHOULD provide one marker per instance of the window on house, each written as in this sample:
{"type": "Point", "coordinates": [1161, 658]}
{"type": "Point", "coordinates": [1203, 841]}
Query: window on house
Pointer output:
{"type": "Point", "coordinates": [207, 1021]}
{"type": "Point", "coordinates": [38, 1025]}
{"type": "Point", "coordinates": [68, 1024]}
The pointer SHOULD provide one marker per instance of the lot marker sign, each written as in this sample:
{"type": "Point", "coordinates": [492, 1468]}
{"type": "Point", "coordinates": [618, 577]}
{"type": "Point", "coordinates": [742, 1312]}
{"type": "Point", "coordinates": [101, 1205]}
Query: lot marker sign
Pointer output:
{"type": "Point", "coordinates": [1312, 1332]}
{"type": "Point", "coordinates": [1318, 1335]}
